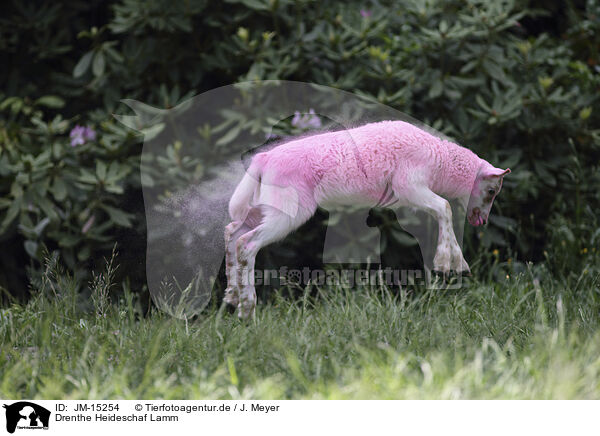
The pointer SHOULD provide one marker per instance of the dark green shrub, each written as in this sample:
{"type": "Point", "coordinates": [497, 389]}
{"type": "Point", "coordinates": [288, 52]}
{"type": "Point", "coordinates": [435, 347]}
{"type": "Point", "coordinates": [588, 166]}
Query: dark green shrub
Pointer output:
{"type": "Point", "coordinates": [68, 196]}
{"type": "Point", "coordinates": [518, 83]}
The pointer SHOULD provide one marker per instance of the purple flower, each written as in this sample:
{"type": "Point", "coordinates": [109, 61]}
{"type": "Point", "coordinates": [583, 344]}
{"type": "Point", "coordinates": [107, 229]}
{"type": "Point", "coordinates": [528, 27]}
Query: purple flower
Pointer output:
{"type": "Point", "coordinates": [305, 121]}
{"type": "Point", "coordinates": [77, 136]}
{"type": "Point", "coordinates": [365, 13]}
{"type": "Point", "coordinates": [314, 121]}
{"type": "Point", "coordinates": [89, 134]}
{"type": "Point", "coordinates": [80, 135]}
{"type": "Point", "coordinates": [297, 118]}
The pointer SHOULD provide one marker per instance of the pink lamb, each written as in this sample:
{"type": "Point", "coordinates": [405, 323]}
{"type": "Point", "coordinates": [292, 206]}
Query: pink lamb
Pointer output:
{"type": "Point", "coordinates": [284, 186]}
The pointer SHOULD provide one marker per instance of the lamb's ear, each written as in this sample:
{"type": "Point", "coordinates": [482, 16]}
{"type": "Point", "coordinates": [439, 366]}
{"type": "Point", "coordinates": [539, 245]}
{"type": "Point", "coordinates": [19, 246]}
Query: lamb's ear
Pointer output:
{"type": "Point", "coordinates": [496, 172]}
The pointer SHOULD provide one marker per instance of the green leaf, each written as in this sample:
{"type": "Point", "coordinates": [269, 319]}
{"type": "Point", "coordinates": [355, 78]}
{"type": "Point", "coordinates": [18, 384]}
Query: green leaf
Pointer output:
{"type": "Point", "coordinates": [118, 216]}
{"type": "Point", "coordinates": [84, 253]}
{"type": "Point", "coordinates": [152, 132]}
{"type": "Point", "coordinates": [8, 102]}
{"type": "Point", "coordinates": [147, 180]}
{"type": "Point", "coordinates": [436, 89]}
{"type": "Point", "coordinates": [83, 64]}
{"type": "Point", "coordinates": [68, 241]}
{"type": "Point", "coordinates": [39, 228]}
{"type": "Point", "coordinates": [482, 103]}
{"type": "Point", "coordinates": [114, 189]}
{"type": "Point", "coordinates": [11, 214]}
{"type": "Point", "coordinates": [59, 189]}
{"type": "Point", "coordinates": [494, 70]}
{"type": "Point", "coordinates": [47, 206]}
{"type": "Point", "coordinates": [31, 248]}
{"type": "Point", "coordinates": [87, 177]}
{"type": "Point", "coordinates": [229, 136]}
{"type": "Point", "coordinates": [252, 4]}
{"type": "Point", "coordinates": [99, 64]}
{"type": "Point", "coordinates": [100, 170]}
{"type": "Point", "coordinates": [51, 101]}
{"type": "Point", "coordinates": [503, 222]}
{"type": "Point", "coordinates": [116, 172]}
{"type": "Point", "coordinates": [543, 174]}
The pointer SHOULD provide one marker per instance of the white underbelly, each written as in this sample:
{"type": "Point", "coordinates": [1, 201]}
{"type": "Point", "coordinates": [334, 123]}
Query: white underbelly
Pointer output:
{"type": "Point", "coordinates": [358, 199]}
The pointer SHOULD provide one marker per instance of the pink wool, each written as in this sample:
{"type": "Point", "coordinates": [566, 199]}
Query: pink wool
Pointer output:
{"type": "Point", "coordinates": [355, 165]}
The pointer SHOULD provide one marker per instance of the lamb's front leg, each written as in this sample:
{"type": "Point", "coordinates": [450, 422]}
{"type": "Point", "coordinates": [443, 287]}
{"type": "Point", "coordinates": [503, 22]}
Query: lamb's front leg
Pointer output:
{"type": "Point", "coordinates": [448, 255]}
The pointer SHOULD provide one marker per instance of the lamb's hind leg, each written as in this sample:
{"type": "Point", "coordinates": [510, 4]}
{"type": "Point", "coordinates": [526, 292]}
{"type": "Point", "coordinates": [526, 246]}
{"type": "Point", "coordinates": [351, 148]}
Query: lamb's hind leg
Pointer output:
{"type": "Point", "coordinates": [233, 231]}
{"type": "Point", "coordinates": [275, 226]}
{"type": "Point", "coordinates": [448, 256]}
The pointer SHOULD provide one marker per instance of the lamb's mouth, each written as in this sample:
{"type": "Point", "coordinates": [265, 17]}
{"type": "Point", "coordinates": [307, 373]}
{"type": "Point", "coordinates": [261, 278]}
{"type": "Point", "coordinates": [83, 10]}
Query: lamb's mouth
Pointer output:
{"type": "Point", "coordinates": [475, 219]}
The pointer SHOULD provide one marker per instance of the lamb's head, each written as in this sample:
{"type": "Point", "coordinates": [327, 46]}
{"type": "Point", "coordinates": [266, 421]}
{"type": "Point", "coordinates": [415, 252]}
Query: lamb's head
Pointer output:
{"type": "Point", "coordinates": [485, 189]}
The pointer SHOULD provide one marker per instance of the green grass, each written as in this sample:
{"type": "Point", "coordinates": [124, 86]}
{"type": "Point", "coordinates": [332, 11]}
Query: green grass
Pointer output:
{"type": "Point", "coordinates": [532, 336]}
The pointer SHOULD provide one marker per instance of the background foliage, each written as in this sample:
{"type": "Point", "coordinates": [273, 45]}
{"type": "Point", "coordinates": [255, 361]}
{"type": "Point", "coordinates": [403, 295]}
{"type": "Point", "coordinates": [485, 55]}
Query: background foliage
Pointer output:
{"type": "Point", "coordinates": [517, 82]}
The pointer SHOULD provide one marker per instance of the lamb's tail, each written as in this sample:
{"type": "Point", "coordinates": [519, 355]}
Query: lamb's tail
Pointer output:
{"type": "Point", "coordinates": [247, 190]}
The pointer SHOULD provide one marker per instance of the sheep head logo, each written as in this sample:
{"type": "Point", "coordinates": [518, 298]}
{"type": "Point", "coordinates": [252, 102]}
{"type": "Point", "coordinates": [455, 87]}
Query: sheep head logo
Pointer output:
{"type": "Point", "coordinates": [27, 415]}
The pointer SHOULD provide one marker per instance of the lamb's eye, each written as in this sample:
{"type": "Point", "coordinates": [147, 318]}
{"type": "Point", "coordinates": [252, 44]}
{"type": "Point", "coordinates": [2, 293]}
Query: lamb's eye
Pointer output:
{"type": "Point", "coordinates": [491, 191]}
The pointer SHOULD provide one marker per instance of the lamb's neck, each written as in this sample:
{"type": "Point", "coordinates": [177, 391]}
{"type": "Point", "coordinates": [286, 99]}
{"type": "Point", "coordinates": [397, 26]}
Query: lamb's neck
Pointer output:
{"type": "Point", "coordinates": [455, 169]}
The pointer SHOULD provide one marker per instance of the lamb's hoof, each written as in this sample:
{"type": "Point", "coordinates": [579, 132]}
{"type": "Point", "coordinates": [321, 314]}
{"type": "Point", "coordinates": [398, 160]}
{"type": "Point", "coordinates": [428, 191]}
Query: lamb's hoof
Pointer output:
{"type": "Point", "coordinates": [463, 270]}
{"type": "Point", "coordinates": [246, 315]}
{"type": "Point", "coordinates": [443, 274]}
{"type": "Point", "coordinates": [231, 297]}
{"type": "Point", "coordinates": [450, 263]}
{"type": "Point", "coordinates": [446, 275]}
{"type": "Point", "coordinates": [441, 263]}
{"type": "Point", "coordinates": [246, 308]}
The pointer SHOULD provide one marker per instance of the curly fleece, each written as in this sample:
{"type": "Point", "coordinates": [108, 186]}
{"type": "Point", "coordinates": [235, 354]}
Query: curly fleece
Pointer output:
{"type": "Point", "coordinates": [355, 165]}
